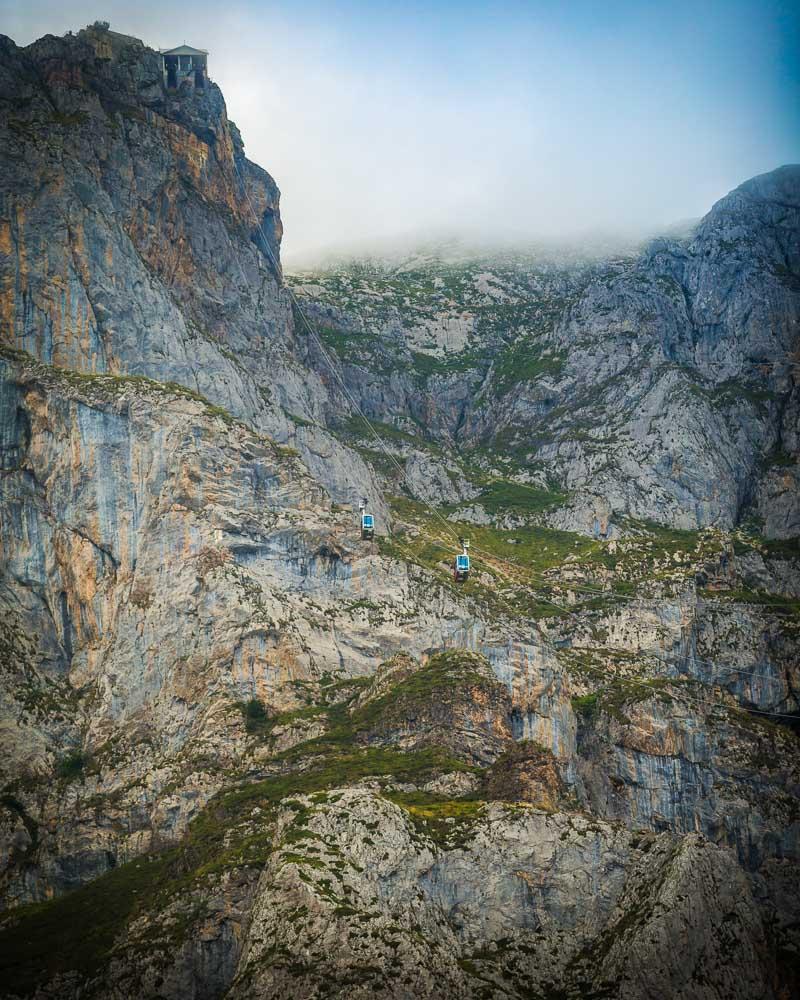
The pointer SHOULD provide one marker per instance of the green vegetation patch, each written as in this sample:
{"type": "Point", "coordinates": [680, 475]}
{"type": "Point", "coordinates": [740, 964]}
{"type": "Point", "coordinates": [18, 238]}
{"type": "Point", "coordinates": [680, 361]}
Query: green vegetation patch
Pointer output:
{"type": "Point", "coordinates": [254, 713]}
{"type": "Point", "coordinates": [357, 347]}
{"type": "Point", "coordinates": [623, 691]}
{"type": "Point", "coordinates": [531, 548]}
{"type": "Point", "coordinates": [665, 538]}
{"type": "Point", "coordinates": [426, 366]}
{"type": "Point", "coordinates": [111, 386]}
{"type": "Point", "coordinates": [526, 361]}
{"type": "Point", "coordinates": [586, 705]}
{"type": "Point", "coordinates": [502, 495]}
{"type": "Point", "coordinates": [777, 603]}
{"type": "Point", "coordinates": [76, 931]}
{"type": "Point", "coordinates": [449, 823]}
{"type": "Point", "coordinates": [444, 677]}
{"type": "Point", "coordinates": [381, 462]}
{"type": "Point", "coordinates": [236, 829]}
{"type": "Point", "coordinates": [355, 427]}
{"type": "Point", "coordinates": [508, 565]}
{"type": "Point", "coordinates": [438, 681]}
{"type": "Point", "coordinates": [69, 120]}
{"type": "Point", "coordinates": [781, 548]}
{"type": "Point", "coordinates": [347, 344]}
{"type": "Point", "coordinates": [71, 765]}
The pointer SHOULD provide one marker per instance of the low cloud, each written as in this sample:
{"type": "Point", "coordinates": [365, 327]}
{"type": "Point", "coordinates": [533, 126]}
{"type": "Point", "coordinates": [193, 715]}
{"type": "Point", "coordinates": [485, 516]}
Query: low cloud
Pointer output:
{"type": "Point", "coordinates": [496, 122]}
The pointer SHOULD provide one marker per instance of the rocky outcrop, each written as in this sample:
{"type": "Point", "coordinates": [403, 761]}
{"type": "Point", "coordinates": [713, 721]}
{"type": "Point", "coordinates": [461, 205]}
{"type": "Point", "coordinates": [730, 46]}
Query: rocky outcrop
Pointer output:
{"type": "Point", "coordinates": [453, 701]}
{"type": "Point", "coordinates": [371, 897]}
{"type": "Point", "coordinates": [526, 772]}
{"type": "Point", "coordinates": [131, 240]}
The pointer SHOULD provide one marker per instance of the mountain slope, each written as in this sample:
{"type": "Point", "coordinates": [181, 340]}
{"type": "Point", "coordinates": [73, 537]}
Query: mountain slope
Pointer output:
{"type": "Point", "coordinates": [659, 385]}
{"type": "Point", "coordinates": [246, 753]}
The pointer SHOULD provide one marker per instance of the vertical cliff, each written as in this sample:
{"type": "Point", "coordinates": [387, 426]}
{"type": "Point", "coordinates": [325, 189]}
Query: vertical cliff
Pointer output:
{"type": "Point", "coordinates": [131, 239]}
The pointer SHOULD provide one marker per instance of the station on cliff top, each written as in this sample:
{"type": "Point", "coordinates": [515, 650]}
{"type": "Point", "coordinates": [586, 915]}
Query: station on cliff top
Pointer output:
{"type": "Point", "coordinates": [185, 64]}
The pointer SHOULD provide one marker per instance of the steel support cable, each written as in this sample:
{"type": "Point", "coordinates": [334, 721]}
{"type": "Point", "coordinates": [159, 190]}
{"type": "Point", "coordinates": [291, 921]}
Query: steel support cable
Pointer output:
{"type": "Point", "coordinates": [335, 372]}
{"type": "Point", "coordinates": [333, 368]}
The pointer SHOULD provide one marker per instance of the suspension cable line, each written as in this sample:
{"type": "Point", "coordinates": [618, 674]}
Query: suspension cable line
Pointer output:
{"type": "Point", "coordinates": [333, 368]}
{"type": "Point", "coordinates": [447, 526]}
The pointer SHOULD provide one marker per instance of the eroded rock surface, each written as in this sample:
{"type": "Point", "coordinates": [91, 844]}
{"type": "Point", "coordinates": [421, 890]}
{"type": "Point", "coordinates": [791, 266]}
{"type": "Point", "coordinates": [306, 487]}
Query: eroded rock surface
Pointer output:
{"type": "Point", "coordinates": [243, 752]}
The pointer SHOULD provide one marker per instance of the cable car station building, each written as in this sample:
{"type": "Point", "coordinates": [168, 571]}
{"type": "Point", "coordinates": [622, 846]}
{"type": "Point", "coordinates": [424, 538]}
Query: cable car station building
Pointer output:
{"type": "Point", "coordinates": [185, 65]}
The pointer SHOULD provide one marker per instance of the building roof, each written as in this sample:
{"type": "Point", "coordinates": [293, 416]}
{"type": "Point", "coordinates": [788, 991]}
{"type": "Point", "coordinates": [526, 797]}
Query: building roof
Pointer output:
{"type": "Point", "coordinates": [184, 50]}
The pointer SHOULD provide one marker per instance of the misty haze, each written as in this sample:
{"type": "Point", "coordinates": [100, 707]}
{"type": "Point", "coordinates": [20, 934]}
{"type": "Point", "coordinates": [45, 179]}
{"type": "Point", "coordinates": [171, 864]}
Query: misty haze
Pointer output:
{"type": "Point", "coordinates": [515, 121]}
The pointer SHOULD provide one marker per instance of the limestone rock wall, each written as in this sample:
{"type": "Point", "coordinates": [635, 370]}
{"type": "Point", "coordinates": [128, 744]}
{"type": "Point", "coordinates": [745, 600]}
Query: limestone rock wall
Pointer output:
{"type": "Point", "coordinates": [131, 239]}
{"type": "Point", "coordinates": [245, 753]}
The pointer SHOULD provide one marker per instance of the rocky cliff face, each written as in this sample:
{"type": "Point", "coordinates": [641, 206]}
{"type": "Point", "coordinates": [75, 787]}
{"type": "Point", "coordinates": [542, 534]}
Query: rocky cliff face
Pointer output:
{"type": "Point", "coordinates": [131, 233]}
{"type": "Point", "coordinates": [246, 753]}
{"type": "Point", "coordinates": [657, 385]}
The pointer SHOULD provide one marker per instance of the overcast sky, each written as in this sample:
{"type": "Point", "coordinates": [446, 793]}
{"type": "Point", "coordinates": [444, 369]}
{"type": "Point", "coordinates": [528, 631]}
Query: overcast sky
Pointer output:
{"type": "Point", "coordinates": [490, 119]}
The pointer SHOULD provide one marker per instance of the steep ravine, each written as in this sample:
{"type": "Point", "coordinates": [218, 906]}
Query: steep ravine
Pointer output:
{"type": "Point", "coordinates": [245, 753]}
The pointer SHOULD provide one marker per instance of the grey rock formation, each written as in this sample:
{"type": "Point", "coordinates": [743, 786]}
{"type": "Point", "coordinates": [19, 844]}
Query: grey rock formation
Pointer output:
{"type": "Point", "coordinates": [244, 752]}
{"type": "Point", "coordinates": [660, 385]}
{"type": "Point", "coordinates": [132, 236]}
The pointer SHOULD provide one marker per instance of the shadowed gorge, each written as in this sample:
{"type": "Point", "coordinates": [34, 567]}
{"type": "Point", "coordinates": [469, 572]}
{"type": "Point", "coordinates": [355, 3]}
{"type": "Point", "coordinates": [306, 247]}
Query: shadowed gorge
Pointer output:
{"type": "Point", "coordinates": [245, 751]}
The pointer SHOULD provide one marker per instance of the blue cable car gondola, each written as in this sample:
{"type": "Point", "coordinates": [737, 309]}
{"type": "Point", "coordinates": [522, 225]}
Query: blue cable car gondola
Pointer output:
{"type": "Point", "coordinates": [461, 563]}
{"type": "Point", "coordinates": [367, 521]}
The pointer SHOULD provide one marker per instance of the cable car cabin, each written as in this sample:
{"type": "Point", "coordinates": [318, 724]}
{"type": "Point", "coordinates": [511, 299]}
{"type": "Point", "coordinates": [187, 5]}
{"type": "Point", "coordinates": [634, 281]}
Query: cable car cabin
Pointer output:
{"type": "Point", "coordinates": [461, 567]}
{"type": "Point", "coordinates": [367, 526]}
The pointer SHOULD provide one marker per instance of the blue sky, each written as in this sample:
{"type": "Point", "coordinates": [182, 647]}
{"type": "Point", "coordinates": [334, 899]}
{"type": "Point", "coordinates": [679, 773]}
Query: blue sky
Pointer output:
{"type": "Point", "coordinates": [490, 119]}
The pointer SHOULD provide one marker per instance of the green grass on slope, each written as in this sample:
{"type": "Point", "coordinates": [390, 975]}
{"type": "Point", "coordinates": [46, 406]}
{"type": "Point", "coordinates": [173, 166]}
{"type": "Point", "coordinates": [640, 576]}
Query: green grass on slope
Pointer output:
{"type": "Point", "coordinates": [781, 548]}
{"type": "Point", "coordinates": [348, 345]}
{"type": "Point", "coordinates": [780, 605]}
{"type": "Point", "coordinates": [512, 562]}
{"type": "Point", "coordinates": [502, 496]}
{"type": "Point", "coordinates": [438, 680]}
{"type": "Point", "coordinates": [524, 572]}
{"type": "Point", "coordinates": [531, 547]}
{"type": "Point", "coordinates": [525, 361]}
{"type": "Point", "coordinates": [76, 931]}
{"type": "Point", "coordinates": [449, 823]}
{"type": "Point", "coordinates": [425, 366]}
{"type": "Point", "coordinates": [355, 427]}
{"type": "Point", "coordinates": [665, 538]}
{"type": "Point", "coordinates": [444, 673]}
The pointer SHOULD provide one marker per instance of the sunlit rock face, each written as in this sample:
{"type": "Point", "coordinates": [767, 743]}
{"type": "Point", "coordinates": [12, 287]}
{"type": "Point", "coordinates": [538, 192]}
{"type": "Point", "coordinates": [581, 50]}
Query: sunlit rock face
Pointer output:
{"type": "Point", "coordinates": [132, 237]}
{"type": "Point", "coordinates": [245, 752]}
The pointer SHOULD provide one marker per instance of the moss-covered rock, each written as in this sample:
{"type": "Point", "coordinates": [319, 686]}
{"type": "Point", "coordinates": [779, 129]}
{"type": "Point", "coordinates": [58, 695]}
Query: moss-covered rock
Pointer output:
{"type": "Point", "coordinates": [527, 772]}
